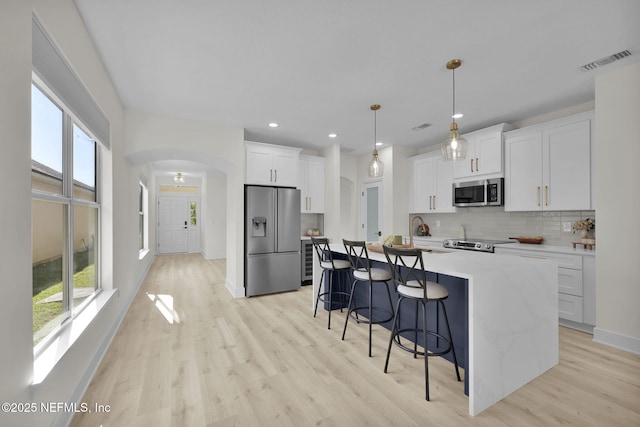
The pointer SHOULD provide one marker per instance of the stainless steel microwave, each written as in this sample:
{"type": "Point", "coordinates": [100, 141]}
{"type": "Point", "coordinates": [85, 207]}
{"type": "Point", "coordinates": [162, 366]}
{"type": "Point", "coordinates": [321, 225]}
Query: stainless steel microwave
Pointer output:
{"type": "Point", "coordinates": [486, 192]}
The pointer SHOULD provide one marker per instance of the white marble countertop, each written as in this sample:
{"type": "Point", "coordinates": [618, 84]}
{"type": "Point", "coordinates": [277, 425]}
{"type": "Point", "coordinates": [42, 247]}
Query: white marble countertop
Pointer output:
{"type": "Point", "coordinates": [432, 241]}
{"type": "Point", "coordinates": [459, 263]}
{"type": "Point", "coordinates": [305, 237]}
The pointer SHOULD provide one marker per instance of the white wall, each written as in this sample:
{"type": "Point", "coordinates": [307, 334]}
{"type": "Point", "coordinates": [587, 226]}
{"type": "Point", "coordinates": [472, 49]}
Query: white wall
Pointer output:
{"type": "Point", "coordinates": [332, 227]}
{"type": "Point", "coordinates": [349, 191]}
{"type": "Point", "coordinates": [214, 216]}
{"type": "Point", "coordinates": [617, 154]}
{"type": "Point", "coordinates": [16, 357]}
{"type": "Point", "coordinates": [401, 189]}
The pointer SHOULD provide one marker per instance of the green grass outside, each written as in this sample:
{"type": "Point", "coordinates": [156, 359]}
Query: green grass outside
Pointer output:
{"type": "Point", "coordinates": [45, 312]}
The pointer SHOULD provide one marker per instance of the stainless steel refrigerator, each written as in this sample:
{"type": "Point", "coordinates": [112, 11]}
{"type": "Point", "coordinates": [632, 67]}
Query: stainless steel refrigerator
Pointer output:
{"type": "Point", "coordinates": [272, 240]}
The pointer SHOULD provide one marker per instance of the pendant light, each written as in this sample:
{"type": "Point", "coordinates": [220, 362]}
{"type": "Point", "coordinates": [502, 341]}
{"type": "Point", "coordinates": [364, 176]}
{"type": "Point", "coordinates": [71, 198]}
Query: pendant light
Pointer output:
{"type": "Point", "coordinates": [454, 148]}
{"type": "Point", "coordinates": [376, 167]}
{"type": "Point", "coordinates": [179, 178]}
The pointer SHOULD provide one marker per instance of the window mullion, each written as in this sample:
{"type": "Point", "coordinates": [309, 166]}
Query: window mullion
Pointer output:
{"type": "Point", "coordinates": [67, 175]}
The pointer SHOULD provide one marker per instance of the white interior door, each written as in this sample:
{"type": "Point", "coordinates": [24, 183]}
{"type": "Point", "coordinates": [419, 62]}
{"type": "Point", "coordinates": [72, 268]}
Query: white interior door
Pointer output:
{"type": "Point", "coordinates": [372, 211]}
{"type": "Point", "coordinates": [173, 224]}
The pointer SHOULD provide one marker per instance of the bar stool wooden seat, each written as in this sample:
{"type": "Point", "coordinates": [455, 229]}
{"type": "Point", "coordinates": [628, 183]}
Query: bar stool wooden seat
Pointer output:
{"type": "Point", "coordinates": [329, 266]}
{"type": "Point", "coordinates": [363, 272]}
{"type": "Point", "coordinates": [410, 280]}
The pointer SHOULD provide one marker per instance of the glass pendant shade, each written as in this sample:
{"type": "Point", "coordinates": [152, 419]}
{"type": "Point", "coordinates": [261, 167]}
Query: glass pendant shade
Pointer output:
{"type": "Point", "coordinates": [376, 167]}
{"type": "Point", "coordinates": [454, 148]}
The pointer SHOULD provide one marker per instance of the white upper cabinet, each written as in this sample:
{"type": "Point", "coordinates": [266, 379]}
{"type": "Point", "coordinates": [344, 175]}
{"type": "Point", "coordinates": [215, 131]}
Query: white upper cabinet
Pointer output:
{"type": "Point", "coordinates": [271, 164]}
{"type": "Point", "coordinates": [485, 154]}
{"type": "Point", "coordinates": [548, 166]}
{"type": "Point", "coordinates": [311, 184]}
{"type": "Point", "coordinates": [430, 184]}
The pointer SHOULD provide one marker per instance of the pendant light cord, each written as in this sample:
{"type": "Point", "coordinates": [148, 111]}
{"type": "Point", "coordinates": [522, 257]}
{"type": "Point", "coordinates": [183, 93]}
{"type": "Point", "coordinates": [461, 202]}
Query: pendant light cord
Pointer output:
{"type": "Point", "coordinates": [453, 113]}
{"type": "Point", "coordinates": [375, 128]}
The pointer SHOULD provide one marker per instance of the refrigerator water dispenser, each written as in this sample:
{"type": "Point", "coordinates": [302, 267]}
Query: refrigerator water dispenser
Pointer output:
{"type": "Point", "coordinates": [259, 227]}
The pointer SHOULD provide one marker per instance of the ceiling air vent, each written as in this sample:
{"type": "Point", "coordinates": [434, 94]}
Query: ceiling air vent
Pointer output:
{"type": "Point", "coordinates": [606, 60]}
{"type": "Point", "coordinates": [422, 126]}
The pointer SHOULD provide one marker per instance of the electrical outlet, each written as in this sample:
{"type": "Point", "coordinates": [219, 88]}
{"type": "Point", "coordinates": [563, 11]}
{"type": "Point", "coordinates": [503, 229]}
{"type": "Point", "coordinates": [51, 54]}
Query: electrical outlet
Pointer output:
{"type": "Point", "coordinates": [438, 223]}
{"type": "Point", "coordinates": [566, 226]}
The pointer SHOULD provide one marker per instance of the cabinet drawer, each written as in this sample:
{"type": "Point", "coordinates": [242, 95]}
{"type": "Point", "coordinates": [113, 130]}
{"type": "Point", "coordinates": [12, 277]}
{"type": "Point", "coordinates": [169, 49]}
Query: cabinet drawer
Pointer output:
{"type": "Point", "coordinates": [570, 281]}
{"type": "Point", "coordinates": [563, 260]}
{"type": "Point", "coordinates": [570, 307]}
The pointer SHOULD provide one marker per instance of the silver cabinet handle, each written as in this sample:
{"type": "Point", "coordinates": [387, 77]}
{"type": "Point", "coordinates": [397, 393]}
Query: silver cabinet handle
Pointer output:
{"type": "Point", "coordinates": [471, 165]}
{"type": "Point", "coordinates": [538, 195]}
{"type": "Point", "coordinates": [476, 164]}
{"type": "Point", "coordinates": [434, 202]}
{"type": "Point", "coordinates": [275, 175]}
{"type": "Point", "coordinates": [270, 175]}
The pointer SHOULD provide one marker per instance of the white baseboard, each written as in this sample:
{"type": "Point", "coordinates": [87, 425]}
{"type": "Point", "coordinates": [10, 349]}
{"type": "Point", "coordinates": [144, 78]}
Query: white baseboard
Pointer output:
{"type": "Point", "coordinates": [214, 255]}
{"type": "Point", "coordinates": [235, 292]}
{"type": "Point", "coordinates": [613, 339]}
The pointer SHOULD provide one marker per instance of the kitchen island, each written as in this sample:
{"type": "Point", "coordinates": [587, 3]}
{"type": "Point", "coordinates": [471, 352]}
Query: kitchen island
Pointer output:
{"type": "Point", "coordinates": [511, 317]}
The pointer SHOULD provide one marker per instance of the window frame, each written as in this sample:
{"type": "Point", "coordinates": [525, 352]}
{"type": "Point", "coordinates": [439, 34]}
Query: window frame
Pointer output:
{"type": "Point", "coordinates": [143, 212]}
{"type": "Point", "coordinates": [69, 119]}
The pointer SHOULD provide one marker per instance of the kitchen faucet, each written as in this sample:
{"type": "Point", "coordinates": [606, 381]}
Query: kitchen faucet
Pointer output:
{"type": "Point", "coordinates": [411, 219]}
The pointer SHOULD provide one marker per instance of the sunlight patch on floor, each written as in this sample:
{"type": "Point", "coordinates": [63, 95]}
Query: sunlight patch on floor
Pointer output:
{"type": "Point", "coordinates": [164, 304]}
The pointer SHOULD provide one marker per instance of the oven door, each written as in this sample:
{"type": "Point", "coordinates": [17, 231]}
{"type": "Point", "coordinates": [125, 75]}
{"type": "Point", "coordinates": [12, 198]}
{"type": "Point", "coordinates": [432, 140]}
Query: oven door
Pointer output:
{"type": "Point", "coordinates": [473, 193]}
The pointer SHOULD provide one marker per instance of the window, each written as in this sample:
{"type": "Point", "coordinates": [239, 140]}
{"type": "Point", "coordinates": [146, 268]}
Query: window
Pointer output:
{"type": "Point", "coordinates": [193, 213]}
{"type": "Point", "coordinates": [65, 213]}
{"type": "Point", "coordinates": [143, 220]}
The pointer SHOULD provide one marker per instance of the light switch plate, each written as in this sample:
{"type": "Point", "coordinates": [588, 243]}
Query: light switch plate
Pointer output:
{"type": "Point", "coordinates": [566, 226]}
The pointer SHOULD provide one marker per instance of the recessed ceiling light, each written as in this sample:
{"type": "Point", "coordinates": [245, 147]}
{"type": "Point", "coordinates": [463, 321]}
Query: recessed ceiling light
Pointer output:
{"type": "Point", "coordinates": [333, 135]}
{"type": "Point", "coordinates": [379, 143]}
{"type": "Point", "coordinates": [273, 125]}
{"type": "Point", "coordinates": [457, 116]}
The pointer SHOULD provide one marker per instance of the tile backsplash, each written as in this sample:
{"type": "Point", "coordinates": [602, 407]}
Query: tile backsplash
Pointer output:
{"type": "Point", "coordinates": [495, 223]}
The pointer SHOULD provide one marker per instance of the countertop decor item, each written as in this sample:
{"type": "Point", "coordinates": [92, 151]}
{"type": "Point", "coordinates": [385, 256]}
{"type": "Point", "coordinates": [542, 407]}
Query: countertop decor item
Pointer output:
{"type": "Point", "coordinates": [423, 230]}
{"type": "Point", "coordinates": [377, 247]}
{"type": "Point", "coordinates": [587, 243]}
{"type": "Point", "coordinates": [529, 240]}
{"type": "Point", "coordinates": [584, 225]}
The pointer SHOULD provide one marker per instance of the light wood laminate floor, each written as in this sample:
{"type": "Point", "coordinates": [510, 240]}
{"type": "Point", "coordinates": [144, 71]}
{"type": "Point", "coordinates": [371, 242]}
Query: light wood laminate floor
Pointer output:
{"type": "Point", "coordinates": [188, 354]}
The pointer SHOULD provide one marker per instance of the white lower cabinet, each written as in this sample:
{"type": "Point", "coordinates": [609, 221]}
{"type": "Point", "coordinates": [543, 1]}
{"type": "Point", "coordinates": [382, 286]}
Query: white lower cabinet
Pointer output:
{"type": "Point", "coordinates": [576, 282]}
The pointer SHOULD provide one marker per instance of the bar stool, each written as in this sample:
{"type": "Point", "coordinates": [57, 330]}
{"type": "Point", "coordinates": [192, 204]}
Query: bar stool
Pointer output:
{"type": "Point", "coordinates": [410, 280]}
{"type": "Point", "coordinates": [363, 273]}
{"type": "Point", "coordinates": [330, 265]}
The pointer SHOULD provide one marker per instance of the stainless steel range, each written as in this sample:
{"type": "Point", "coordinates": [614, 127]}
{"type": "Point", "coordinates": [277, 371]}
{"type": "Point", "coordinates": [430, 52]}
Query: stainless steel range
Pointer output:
{"type": "Point", "coordinates": [480, 245]}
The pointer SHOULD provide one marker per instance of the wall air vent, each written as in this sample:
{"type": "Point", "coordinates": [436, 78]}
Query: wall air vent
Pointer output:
{"type": "Point", "coordinates": [422, 126]}
{"type": "Point", "coordinates": [606, 60]}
